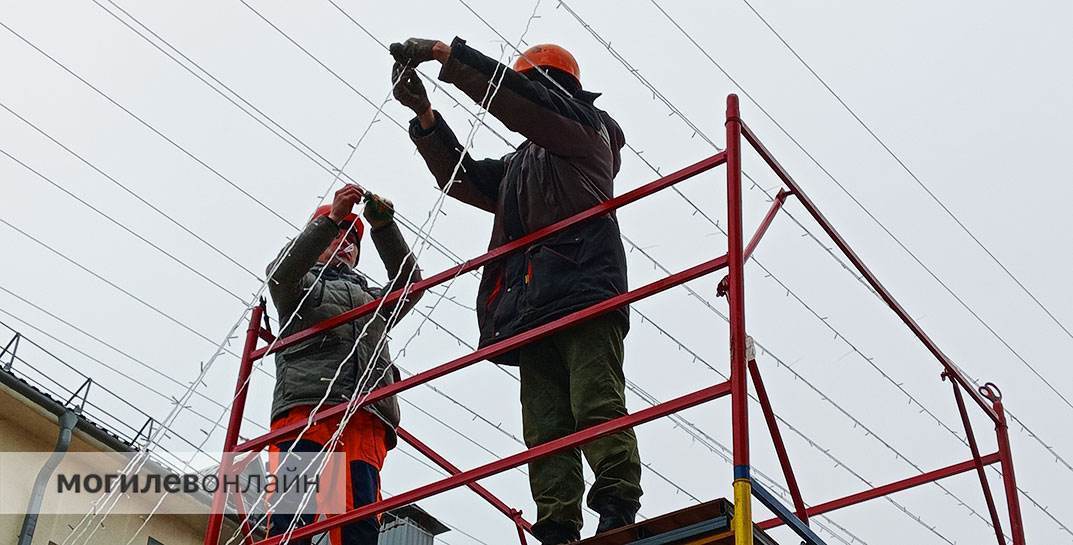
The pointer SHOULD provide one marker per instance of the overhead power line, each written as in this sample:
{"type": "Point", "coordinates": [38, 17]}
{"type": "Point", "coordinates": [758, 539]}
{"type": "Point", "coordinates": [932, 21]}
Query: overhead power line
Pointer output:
{"type": "Point", "coordinates": [152, 369]}
{"type": "Point", "coordinates": [873, 217]}
{"type": "Point", "coordinates": [117, 287]}
{"type": "Point", "coordinates": [122, 226]}
{"type": "Point", "coordinates": [144, 123]}
{"type": "Point", "coordinates": [912, 174]}
{"type": "Point", "coordinates": [131, 192]}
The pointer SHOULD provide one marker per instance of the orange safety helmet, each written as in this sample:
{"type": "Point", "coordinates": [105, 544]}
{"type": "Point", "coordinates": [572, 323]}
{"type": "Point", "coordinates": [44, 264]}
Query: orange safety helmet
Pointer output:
{"type": "Point", "coordinates": [548, 56]}
{"type": "Point", "coordinates": [324, 210]}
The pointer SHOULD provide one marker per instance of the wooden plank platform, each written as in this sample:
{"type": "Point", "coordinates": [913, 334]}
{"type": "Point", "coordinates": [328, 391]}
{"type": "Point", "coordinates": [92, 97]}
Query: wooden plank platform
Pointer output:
{"type": "Point", "coordinates": [704, 524]}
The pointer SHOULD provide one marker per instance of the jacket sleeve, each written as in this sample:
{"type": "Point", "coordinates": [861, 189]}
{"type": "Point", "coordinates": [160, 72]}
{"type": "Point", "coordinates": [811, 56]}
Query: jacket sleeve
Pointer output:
{"type": "Point", "coordinates": [557, 123]}
{"type": "Point", "coordinates": [400, 264]}
{"type": "Point", "coordinates": [477, 181]}
{"type": "Point", "coordinates": [292, 265]}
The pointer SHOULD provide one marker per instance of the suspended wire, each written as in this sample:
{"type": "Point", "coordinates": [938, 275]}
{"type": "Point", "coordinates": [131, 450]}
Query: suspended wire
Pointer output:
{"type": "Point", "coordinates": [130, 192]}
{"type": "Point", "coordinates": [59, 391]}
{"type": "Point", "coordinates": [875, 219]}
{"type": "Point", "coordinates": [675, 111]}
{"type": "Point", "coordinates": [234, 327]}
{"type": "Point", "coordinates": [98, 385]}
{"type": "Point", "coordinates": [912, 174]}
{"type": "Point", "coordinates": [1058, 457]}
{"type": "Point", "coordinates": [148, 126]}
{"type": "Point", "coordinates": [115, 349]}
{"type": "Point", "coordinates": [655, 91]}
{"type": "Point", "coordinates": [651, 400]}
{"type": "Point", "coordinates": [657, 94]}
{"type": "Point", "coordinates": [333, 4]}
{"type": "Point", "coordinates": [267, 122]}
{"type": "Point", "coordinates": [122, 226]}
{"type": "Point", "coordinates": [433, 81]}
{"type": "Point", "coordinates": [355, 402]}
{"type": "Point", "coordinates": [354, 146]}
{"type": "Point", "coordinates": [633, 387]}
{"type": "Point", "coordinates": [819, 392]}
{"type": "Point", "coordinates": [119, 288]}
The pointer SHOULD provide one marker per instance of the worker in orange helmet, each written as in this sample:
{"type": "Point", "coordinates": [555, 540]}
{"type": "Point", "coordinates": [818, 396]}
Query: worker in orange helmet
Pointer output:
{"type": "Point", "coordinates": [572, 379]}
{"type": "Point", "coordinates": [312, 280]}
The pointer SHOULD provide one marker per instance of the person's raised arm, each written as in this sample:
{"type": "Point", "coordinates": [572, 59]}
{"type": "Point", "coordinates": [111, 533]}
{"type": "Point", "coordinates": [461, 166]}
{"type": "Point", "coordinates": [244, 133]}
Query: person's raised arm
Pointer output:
{"type": "Point", "coordinates": [474, 182]}
{"type": "Point", "coordinates": [295, 260]}
{"type": "Point", "coordinates": [550, 119]}
{"type": "Point", "coordinates": [399, 261]}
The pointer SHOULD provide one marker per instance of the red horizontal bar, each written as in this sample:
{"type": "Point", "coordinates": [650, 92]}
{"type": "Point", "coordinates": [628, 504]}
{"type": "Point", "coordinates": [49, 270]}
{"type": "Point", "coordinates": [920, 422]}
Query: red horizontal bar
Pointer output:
{"type": "Point", "coordinates": [513, 514]}
{"type": "Point", "coordinates": [884, 294]}
{"type": "Point", "coordinates": [492, 255]}
{"type": "Point", "coordinates": [886, 490]}
{"type": "Point", "coordinates": [497, 348]}
{"type": "Point", "coordinates": [551, 447]}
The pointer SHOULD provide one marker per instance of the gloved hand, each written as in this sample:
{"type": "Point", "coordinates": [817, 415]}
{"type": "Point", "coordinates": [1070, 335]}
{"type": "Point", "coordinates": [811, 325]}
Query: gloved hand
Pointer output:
{"type": "Point", "coordinates": [378, 211]}
{"type": "Point", "coordinates": [344, 202]}
{"type": "Point", "coordinates": [413, 51]}
{"type": "Point", "coordinates": [409, 90]}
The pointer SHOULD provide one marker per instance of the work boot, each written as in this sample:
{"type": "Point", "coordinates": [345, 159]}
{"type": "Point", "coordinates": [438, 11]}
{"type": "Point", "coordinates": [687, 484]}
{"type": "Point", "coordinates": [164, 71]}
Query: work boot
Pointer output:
{"type": "Point", "coordinates": [614, 515]}
{"type": "Point", "coordinates": [557, 534]}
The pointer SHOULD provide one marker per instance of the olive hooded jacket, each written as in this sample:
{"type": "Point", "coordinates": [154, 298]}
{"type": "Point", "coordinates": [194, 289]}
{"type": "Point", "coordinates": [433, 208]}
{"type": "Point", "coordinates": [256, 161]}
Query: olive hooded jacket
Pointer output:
{"type": "Point", "coordinates": [301, 286]}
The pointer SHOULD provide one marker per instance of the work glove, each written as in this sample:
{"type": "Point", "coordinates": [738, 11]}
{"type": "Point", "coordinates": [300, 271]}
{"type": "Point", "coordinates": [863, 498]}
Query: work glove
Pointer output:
{"type": "Point", "coordinates": [378, 211]}
{"type": "Point", "coordinates": [413, 51]}
{"type": "Point", "coordinates": [409, 90]}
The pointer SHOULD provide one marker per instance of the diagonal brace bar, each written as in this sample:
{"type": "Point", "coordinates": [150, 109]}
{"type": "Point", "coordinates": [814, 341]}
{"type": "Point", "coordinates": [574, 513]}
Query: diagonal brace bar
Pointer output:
{"type": "Point", "coordinates": [970, 437]}
{"type": "Point", "coordinates": [513, 514]}
{"type": "Point", "coordinates": [868, 275]}
{"type": "Point", "coordinates": [797, 525]}
{"type": "Point", "coordinates": [776, 438]}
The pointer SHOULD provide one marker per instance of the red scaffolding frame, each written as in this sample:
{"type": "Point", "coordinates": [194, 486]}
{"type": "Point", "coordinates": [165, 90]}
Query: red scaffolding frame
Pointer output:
{"type": "Point", "coordinates": [742, 367]}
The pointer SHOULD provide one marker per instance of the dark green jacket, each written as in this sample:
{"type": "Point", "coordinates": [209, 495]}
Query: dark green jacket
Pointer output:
{"type": "Point", "coordinates": [303, 371]}
{"type": "Point", "coordinates": [566, 165]}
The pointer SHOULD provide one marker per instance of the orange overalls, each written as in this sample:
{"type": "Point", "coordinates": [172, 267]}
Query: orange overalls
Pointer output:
{"type": "Point", "coordinates": [364, 444]}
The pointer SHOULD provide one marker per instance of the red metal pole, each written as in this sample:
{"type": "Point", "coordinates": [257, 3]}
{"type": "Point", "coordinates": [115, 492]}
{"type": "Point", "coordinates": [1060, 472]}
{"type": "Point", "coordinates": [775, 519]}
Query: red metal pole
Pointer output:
{"type": "Point", "coordinates": [871, 278]}
{"type": "Point", "coordinates": [1009, 480]}
{"type": "Point", "coordinates": [481, 491]}
{"type": "Point", "coordinates": [551, 447]}
{"type": "Point", "coordinates": [776, 438]}
{"type": "Point", "coordinates": [497, 348]}
{"type": "Point", "coordinates": [240, 507]}
{"type": "Point", "coordinates": [521, 531]}
{"type": "Point", "coordinates": [970, 437]}
{"type": "Point", "coordinates": [234, 425]}
{"type": "Point", "coordinates": [497, 253]}
{"type": "Point", "coordinates": [886, 490]}
{"type": "Point", "coordinates": [739, 396]}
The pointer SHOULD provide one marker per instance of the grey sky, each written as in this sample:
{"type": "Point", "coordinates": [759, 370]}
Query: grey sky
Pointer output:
{"type": "Point", "coordinates": [973, 96]}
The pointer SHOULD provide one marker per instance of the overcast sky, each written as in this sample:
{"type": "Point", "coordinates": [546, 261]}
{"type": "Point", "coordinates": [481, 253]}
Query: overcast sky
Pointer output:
{"type": "Point", "coordinates": [973, 96]}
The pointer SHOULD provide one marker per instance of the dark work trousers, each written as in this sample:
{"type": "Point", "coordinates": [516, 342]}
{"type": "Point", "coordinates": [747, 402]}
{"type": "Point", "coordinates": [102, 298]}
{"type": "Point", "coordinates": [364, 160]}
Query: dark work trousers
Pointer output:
{"type": "Point", "coordinates": [365, 485]}
{"type": "Point", "coordinates": [570, 381]}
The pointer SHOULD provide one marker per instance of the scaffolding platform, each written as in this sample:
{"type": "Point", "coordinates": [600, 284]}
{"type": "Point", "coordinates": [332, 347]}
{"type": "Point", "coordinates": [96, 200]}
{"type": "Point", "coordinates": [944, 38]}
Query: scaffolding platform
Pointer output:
{"type": "Point", "coordinates": [704, 524]}
{"type": "Point", "coordinates": [708, 523]}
